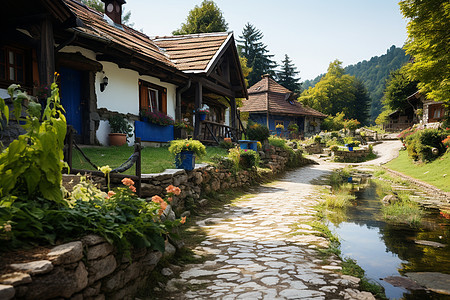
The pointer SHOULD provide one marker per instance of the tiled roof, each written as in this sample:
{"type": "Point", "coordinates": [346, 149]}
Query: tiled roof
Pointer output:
{"type": "Point", "coordinates": [267, 84]}
{"type": "Point", "coordinates": [194, 52]}
{"type": "Point", "coordinates": [97, 27]}
{"type": "Point", "coordinates": [268, 92]}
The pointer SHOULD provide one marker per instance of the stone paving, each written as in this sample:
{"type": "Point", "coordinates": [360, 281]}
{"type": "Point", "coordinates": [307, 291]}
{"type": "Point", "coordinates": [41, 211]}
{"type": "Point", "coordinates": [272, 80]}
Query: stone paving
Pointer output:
{"type": "Point", "coordinates": [263, 248]}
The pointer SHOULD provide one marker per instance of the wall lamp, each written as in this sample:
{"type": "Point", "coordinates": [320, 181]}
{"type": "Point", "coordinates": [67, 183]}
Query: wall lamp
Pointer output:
{"type": "Point", "coordinates": [104, 83]}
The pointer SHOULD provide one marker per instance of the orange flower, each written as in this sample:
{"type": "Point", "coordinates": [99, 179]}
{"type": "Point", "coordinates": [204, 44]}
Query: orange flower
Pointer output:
{"type": "Point", "coordinates": [169, 199]}
{"type": "Point", "coordinates": [160, 212]}
{"type": "Point", "coordinates": [110, 194]}
{"type": "Point", "coordinates": [127, 182]}
{"type": "Point", "coordinates": [173, 189]}
{"type": "Point", "coordinates": [183, 220]}
{"type": "Point", "coordinates": [132, 188]}
{"type": "Point", "coordinates": [163, 205]}
{"type": "Point", "coordinates": [187, 145]}
{"type": "Point", "coordinates": [157, 199]}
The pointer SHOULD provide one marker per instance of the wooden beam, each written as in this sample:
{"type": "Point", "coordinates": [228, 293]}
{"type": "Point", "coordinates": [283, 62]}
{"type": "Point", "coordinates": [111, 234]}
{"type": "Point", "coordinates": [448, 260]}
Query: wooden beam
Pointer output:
{"type": "Point", "coordinates": [233, 112]}
{"type": "Point", "coordinates": [46, 53]}
{"type": "Point", "coordinates": [216, 88]}
{"type": "Point", "coordinates": [197, 105]}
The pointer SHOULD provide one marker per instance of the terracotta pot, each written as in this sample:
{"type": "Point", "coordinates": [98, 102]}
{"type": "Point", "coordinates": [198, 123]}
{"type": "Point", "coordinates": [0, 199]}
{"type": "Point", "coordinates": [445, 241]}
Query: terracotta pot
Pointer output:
{"type": "Point", "coordinates": [117, 139]}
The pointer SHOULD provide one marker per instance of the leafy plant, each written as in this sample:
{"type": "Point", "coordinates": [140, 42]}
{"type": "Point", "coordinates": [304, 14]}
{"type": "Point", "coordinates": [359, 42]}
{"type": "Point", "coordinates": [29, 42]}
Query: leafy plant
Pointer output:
{"type": "Point", "coordinates": [248, 159]}
{"type": "Point", "coordinates": [31, 166]}
{"type": "Point", "coordinates": [226, 144]}
{"type": "Point", "coordinates": [257, 131]}
{"type": "Point", "coordinates": [421, 143]}
{"type": "Point", "coordinates": [223, 162]}
{"type": "Point", "coordinates": [119, 124]}
{"type": "Point", "coordinates": [317, 139]}
{"type": "Point", "coordinates": [293, 127]}
{"type": "Point", "coordinates": [176, 146]}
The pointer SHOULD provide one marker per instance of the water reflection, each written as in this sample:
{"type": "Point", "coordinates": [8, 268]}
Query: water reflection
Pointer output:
{"type": "Point", "coordinates": [383, 249]}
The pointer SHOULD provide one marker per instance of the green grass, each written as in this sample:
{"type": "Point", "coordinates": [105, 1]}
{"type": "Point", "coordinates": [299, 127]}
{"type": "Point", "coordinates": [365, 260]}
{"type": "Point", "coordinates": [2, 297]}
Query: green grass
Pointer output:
{"type": "Point", "coordinates": [432, 173]}
{"type": "Point", "coordinates": [154, 160]}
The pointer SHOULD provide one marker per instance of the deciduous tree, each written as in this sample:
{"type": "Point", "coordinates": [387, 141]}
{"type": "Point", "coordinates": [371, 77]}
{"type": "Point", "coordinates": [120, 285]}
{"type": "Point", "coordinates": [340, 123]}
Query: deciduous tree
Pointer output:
{"type": "Point", "coordinates": [204, 18]}
{"type": "Point", "coordinates": [429, 45]}
{"type": "Point", "coordinates": [398, 88]}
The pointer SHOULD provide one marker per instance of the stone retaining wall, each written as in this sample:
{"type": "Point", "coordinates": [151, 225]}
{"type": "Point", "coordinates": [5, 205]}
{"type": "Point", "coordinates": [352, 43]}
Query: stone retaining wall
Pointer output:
{"type": "Point", "coordinates": [314, 148]}
{"type": "Point", "coordinates": [351, 156]}
{"type": "Point", "coordinates": [84, 269]}
{"type": "Point", "coordinates": [206, 179]}
{"type": "Point", "coordinates": [90, 268]}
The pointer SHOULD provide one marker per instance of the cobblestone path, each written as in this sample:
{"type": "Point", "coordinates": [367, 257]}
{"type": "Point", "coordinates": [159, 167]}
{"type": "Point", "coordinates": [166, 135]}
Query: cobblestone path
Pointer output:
{"type": "Point", "coordinates": [263, 248]}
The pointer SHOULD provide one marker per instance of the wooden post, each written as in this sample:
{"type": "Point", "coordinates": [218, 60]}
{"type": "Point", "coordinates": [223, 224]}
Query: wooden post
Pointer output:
{"type": "Point", "coordinates": [233, 118]}
{"type": "Point", "coordinates": [197, 105]}
{"type": "Point", "coordinates": [69, 147]}
{"type": "Point", "coordinates": [138, 148]}
{"type": "Point", "coordinates": [46, 53]}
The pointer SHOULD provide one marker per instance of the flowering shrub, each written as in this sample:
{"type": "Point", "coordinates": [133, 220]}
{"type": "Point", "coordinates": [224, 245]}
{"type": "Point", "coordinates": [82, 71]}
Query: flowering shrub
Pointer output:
{"type": "Point", "coordinates": [184, 125]}
{"type": "Point", "coordinates": [446, 142]}
{"type": "Point", "coordinates": [157, 117]}
{"type": "Point", "coordinates": [257, 131]}
{"type": "Point", "coordinates": [351, 124]}
{"type": "Point", "coordinates": [204, 109]}
{"type": "Point", "coordinates": [405, 133]}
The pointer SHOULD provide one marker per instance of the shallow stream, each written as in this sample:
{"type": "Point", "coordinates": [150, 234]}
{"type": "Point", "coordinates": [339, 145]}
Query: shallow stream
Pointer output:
{"type": "Point", "coordinates": [384, 249]}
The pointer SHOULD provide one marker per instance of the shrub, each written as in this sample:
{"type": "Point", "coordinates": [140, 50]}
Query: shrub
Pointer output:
{"type": "Point", "coordinates": [226, 144]}
{"type": "Point", "coordinates": [248, 159]}
{"type": "Point", "coordinates": [317, 139]}
{"type": "Point", "coordinates": [257, 131]}
{"type": "Point", "coordinates": [223, 162]}
{"type": "Point", "coordinates": [334, 148]}
{"type": "Point", "coordinates": [421, 143]}
{"type": "Point", "coordinates": [277, 142]}
{"type": "Point", "coordinates": [293, 128]}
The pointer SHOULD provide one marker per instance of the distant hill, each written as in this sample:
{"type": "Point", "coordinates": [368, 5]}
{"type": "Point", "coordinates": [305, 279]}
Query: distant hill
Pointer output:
{"type": "Point", "coordinates": [373, 74]}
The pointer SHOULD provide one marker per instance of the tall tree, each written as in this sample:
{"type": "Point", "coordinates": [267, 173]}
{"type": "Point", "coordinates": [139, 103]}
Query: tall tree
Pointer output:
{"type": "Point", "coordinates": [100, 6]}
{"type": "Point", "coordinates": [256, 53]}
{"type": "Point", "coordinates": [398, 88]}
{"type": "Point", "coordinates": [429, 44]}
{"type": "Point", "coordinates": [287, 76]}
{"type": "Point", "coordinates": [204, 18]}
{"type": "Point", "coordinates": [362, 103]}
{"type": "Point", "coordinates": [338, 92]}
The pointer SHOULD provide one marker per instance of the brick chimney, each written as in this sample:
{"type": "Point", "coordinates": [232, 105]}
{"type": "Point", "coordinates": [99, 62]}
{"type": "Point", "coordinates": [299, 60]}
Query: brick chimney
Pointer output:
{"type": "Point", "coordinates": [113, 9]}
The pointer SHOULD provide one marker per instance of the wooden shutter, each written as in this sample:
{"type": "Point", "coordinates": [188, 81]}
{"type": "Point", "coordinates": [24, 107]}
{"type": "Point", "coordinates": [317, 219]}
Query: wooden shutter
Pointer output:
{"type": "Point", "coordinates": [143, 96]}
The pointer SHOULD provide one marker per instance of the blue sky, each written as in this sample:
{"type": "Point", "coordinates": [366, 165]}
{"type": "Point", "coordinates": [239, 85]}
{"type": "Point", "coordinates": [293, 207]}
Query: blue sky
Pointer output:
{"type": "Point", "coordinates": [313, 33]}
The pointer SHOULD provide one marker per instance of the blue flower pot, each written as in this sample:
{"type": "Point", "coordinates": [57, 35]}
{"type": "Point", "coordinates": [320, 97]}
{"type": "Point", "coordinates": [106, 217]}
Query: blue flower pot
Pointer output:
{"type": "Point", "coordinates": [202, 117]}
{"type": "Point", "coordinates": [185, 160]}
{"type": "Point", "coordinates": [350, 148]}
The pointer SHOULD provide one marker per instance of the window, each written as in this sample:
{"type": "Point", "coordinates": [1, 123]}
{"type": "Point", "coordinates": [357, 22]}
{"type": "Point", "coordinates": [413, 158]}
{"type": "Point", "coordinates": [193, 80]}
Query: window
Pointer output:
{"type": "Point", "coordinates": [152, 97]}
{"type": "Point", "coordinates": [279, 123]}
{"type": "Point", "coordinates": [12, 63]}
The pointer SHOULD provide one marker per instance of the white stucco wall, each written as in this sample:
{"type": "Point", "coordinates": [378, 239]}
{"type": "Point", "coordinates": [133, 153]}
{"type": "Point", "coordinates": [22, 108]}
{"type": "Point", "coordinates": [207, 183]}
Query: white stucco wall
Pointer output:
{"type": "Point", "coordinates": [122, 92]}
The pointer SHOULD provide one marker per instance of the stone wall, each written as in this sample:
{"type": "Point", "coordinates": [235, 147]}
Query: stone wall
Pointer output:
{"type": "Point", "coordinates": [85, 269]}
{"type": "Point", "coordinates": [314, 148]}
{"type": "Point", "coordinates": [351, 156]}
{"type": "Point", "coordinates": [206, 179]}
{"type": "Point", "coordinates": [91, 269]}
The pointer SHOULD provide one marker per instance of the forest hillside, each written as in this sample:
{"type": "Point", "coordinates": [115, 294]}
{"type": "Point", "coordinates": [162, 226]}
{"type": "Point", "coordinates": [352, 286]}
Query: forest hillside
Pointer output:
{"type": "Point", "coordinates": [373, 73]}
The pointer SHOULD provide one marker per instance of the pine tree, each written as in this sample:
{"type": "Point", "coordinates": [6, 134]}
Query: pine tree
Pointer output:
{"type": "Point", "coordinates": [286, 77]}
{"type": "Point", "coordinates": [251, 47]}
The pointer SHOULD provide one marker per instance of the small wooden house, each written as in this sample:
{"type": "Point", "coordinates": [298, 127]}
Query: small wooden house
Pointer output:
{"type": "Point", "coordinates": [271, 104]}
{"type": "Point", "coordinates": [108, 68]}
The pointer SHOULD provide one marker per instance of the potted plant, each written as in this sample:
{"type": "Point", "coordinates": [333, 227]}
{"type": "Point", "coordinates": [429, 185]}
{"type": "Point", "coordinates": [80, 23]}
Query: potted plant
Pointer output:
{"type": "Point", "coordinates": [120, 130]}
{"type": "Point", "coordinates": [203, 111]}
{"type": "Point", "coordinates": [185, 152]}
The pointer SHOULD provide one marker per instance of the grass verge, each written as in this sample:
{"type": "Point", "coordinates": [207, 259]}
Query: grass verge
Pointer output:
{"type": "Point", "coordinates": [154, 160]}
{"type": "Point", "coordinates": [436, 173]}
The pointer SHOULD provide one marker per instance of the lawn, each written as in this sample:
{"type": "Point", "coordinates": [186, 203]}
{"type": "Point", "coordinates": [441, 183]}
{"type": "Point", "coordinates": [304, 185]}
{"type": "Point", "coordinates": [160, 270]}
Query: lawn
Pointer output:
{"type": "Point", "coordinates": [154, 160]}
{"type": "Point", "coordinates": [432, 173]}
